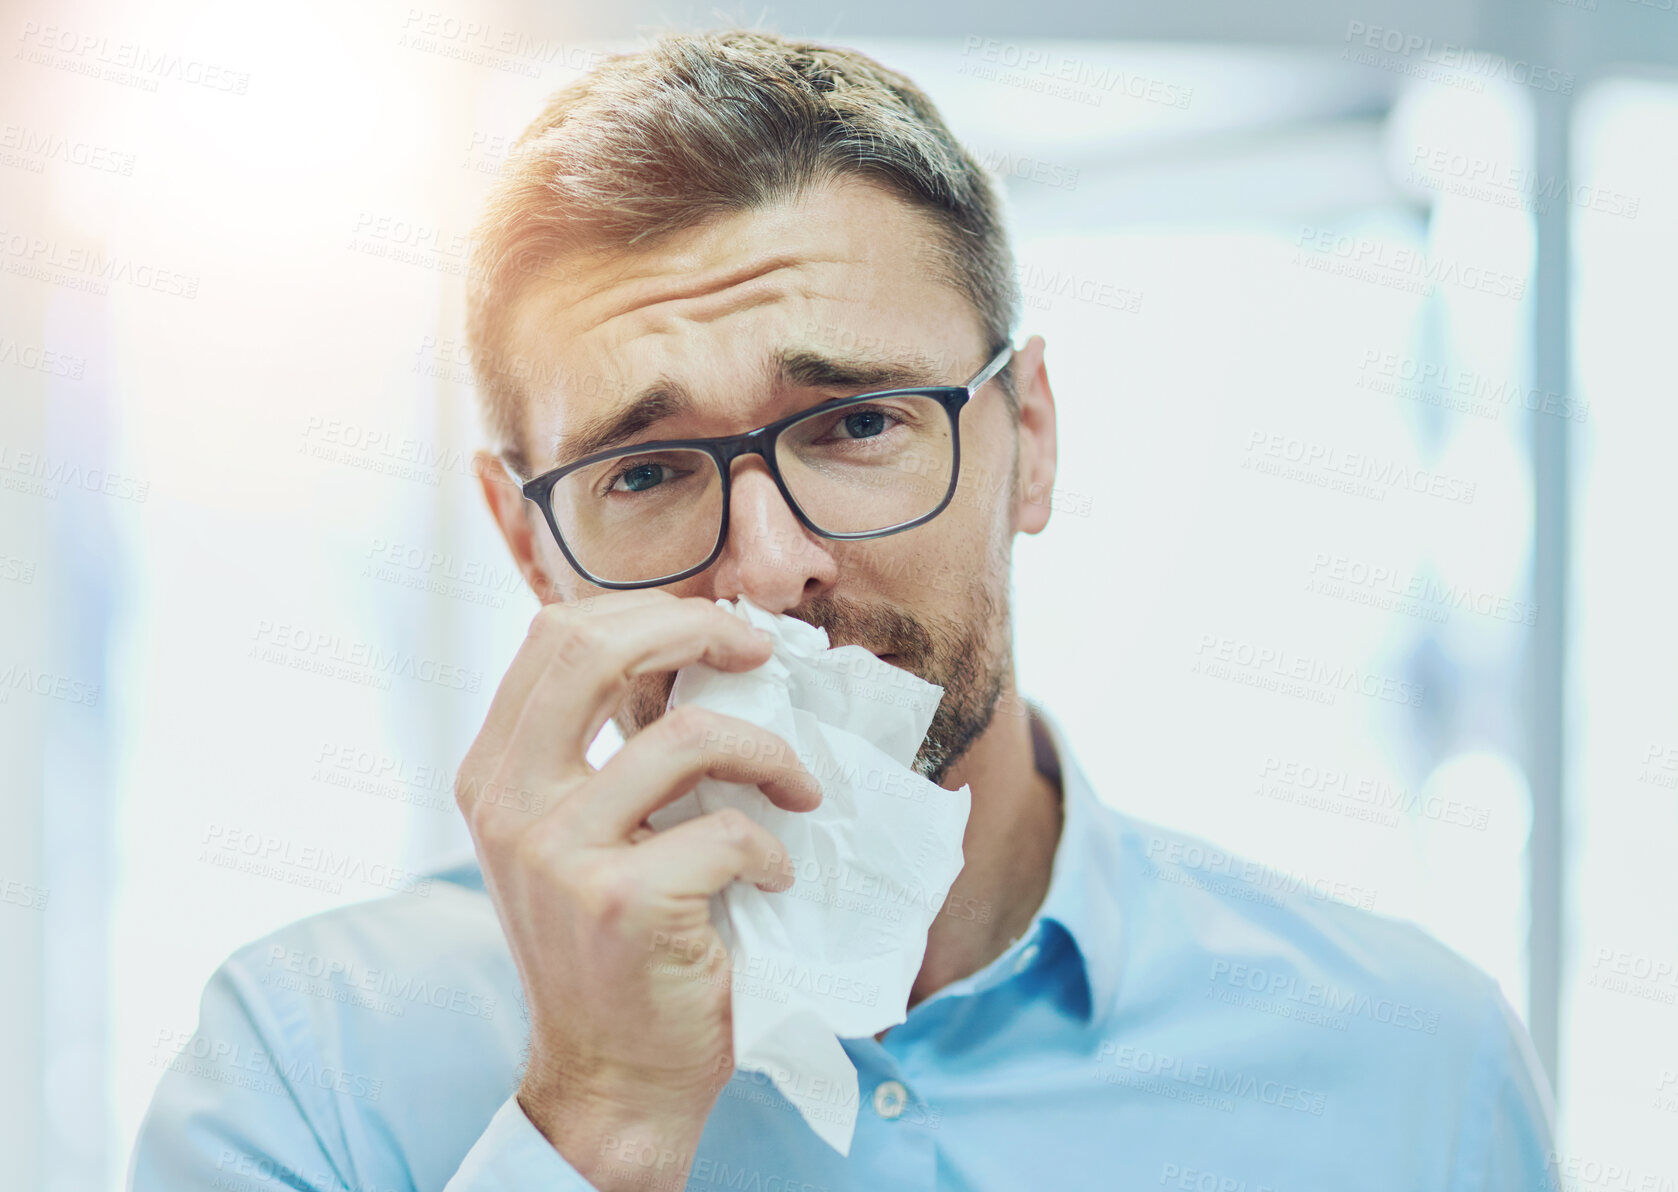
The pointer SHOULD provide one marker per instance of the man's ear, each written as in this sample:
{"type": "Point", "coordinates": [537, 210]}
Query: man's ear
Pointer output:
{"type": "Point", "coordinates": [512, 514]}
{"type": "Point", "coordinates": [1036, 438]}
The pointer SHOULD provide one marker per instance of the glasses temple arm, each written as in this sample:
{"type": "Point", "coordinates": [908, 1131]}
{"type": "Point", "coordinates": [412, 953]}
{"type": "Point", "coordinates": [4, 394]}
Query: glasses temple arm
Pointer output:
{"type": "Point", "coordinates": [990, 370]}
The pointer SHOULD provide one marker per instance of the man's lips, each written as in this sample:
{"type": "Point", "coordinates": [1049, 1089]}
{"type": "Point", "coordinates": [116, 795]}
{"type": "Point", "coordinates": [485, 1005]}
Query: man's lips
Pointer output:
{"type": "Point", "coordinates": [835, 645]}
{"type": "Point", "coordinates": [890, 659]}
{"type": "Point", "coordinates": [890, 656]}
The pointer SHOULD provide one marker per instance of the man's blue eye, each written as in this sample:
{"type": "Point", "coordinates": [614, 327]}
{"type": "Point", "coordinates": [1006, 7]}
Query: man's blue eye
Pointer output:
{"type": "Point", "coordinates": [642, 478]}
{"type": "Point", "coordinates": [865, 425]}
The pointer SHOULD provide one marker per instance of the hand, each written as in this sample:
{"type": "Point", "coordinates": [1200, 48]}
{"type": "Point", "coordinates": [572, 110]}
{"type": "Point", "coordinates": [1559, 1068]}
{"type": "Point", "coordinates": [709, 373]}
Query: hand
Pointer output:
{"type": "Point", "coordinates": [630, 1041]}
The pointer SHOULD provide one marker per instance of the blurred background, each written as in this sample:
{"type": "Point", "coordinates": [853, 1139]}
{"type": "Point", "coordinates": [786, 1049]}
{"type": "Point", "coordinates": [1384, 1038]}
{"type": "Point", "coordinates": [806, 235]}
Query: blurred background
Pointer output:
{"type": "Point", "coordinates": [1361, 319]}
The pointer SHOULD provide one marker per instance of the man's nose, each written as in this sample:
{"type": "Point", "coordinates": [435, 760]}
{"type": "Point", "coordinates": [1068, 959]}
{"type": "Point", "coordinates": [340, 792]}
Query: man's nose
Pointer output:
{"type": "Point", "coordinates": [769, 556]}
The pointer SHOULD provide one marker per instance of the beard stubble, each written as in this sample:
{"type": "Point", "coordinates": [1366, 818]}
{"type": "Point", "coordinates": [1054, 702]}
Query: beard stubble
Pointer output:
{"type": "Point", "coordinates": [969, 655]}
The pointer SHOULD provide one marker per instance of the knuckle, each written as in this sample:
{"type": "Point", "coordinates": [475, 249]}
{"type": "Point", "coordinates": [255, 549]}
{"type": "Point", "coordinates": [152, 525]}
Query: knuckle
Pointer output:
{"type": "Point", "coordinates": [480, 820]}
{"type": "Point", "coordinates": [465, 788]}
{"type": "Point", "coordinates": [576, 641]}
{"type": "Point", "coordinates": [689, 727]}
{"type": "Point", "coordinates": [534, 851]}
{"type": "Point", "coordinates": [480, 813]}
{"type": "Point", "coordinates": [549, 619]}
{"type": "Point", "coordinates": [605, 893]}
{"type": "Point", "coordinates": [735, 829]}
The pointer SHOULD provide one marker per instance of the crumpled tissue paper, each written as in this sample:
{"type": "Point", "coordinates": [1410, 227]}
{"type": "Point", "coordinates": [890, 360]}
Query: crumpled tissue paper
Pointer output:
{"type": "Point", "coordinates": [835, 955]}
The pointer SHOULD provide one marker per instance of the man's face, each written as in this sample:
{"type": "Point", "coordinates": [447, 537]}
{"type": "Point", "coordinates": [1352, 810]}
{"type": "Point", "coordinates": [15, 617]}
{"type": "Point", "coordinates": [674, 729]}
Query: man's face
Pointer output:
{"type": "Point", "coordinates": [843, 273]}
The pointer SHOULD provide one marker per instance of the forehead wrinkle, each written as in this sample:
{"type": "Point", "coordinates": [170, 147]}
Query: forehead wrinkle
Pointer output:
{"type": "Point", "coordinates": [729, 290]}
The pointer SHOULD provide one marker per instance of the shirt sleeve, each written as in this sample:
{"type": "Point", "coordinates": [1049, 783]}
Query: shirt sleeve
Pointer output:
{"type": "Point", "coordinates": [241, 1109]}
{"type": "Point", "coordinates": [1509, 1143]}
{"type": "Point", "coordinates": [512, 1154]}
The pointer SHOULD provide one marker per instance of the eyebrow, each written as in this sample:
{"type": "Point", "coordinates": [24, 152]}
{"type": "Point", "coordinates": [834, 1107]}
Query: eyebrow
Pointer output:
{"type": "Point", "coordinates": [791, 369]}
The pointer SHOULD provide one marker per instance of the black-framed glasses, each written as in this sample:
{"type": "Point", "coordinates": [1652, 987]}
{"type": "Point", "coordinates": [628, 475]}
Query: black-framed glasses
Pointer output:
{"type": "Point", "coordinates": [854, 467]}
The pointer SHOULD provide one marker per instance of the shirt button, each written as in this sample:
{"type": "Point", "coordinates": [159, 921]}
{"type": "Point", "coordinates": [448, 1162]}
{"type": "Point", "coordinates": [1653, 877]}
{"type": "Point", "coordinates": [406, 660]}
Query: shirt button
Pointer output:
{"type": "Point", "coordinates": [1024, 959]}
{"type": "Point", "coordinates": [889, 1099]}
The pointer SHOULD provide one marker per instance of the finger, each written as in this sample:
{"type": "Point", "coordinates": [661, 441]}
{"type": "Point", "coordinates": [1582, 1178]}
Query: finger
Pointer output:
{"type": "Point", "coordinates": [592, 661]}
{"type": "Point", "coordinates": [532, 659]}
{"type": "Point", "coordinates": [662, 763]}
{"type": "Point", "coordinates": [700, 856]}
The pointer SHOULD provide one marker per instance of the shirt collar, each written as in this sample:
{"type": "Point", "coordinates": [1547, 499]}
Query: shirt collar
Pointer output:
{"type": "Point", "coordinates": [1083, 897]}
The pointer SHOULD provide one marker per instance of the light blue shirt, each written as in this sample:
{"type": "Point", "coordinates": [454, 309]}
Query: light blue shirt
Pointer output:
{"type": "Point", "coordinates": [1174, 1018]}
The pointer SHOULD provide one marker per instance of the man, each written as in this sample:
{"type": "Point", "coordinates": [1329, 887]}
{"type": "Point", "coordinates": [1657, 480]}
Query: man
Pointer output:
{"type": "Point", "coordinates": [717, 235]}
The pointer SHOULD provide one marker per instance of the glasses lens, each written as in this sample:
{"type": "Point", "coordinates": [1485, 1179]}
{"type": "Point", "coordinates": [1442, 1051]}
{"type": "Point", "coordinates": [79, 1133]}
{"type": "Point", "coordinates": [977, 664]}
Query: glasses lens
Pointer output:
{"type": "Point", "coordinates": [640, 517]}
{"type": "Point", "coordinates": [870, 466]}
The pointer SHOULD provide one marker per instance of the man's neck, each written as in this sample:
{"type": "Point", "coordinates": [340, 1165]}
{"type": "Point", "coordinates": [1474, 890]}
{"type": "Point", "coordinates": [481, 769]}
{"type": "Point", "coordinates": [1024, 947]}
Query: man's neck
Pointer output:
{"type": "Point", "coordinates": [1009, 846]}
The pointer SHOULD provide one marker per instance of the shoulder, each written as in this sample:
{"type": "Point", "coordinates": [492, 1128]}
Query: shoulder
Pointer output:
{"type": "Point", "coordinates": [1264, 926]}
{"type": "Point", "coordinates": [323, 1046]}
{"type": "Point", "coordinates": [387, 967]}
{"type": "Point", "coordinates": [1296, 970]}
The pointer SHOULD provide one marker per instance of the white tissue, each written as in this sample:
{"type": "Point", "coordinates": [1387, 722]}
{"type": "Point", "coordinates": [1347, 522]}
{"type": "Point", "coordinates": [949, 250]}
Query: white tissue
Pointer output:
{"type": "Point", "coordinates": [834, 956]}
